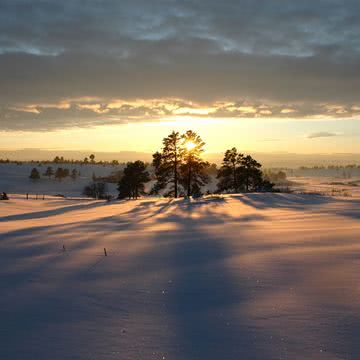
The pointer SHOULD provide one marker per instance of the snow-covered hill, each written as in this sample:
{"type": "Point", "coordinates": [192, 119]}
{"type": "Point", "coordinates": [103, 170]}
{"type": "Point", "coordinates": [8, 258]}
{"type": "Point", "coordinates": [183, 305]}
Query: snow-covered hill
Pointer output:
{"type": "Point", "coordinates": [260, 276]}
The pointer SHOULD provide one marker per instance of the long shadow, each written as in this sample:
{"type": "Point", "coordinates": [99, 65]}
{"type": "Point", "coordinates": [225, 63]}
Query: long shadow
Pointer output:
{"type": "Point", "coordinates": [204, 297]}
{"type": "Point", "coordinates": [289, 201]}
{"type": "Point", "coordinates": [53, 212]}
{"type": "Point", "coordinates": [301, 202]}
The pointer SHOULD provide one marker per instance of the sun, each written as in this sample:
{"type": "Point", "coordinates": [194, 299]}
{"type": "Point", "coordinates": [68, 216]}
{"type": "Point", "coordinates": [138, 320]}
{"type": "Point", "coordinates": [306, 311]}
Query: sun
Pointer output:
{"type": "Point", "coordinates": [190, 145]}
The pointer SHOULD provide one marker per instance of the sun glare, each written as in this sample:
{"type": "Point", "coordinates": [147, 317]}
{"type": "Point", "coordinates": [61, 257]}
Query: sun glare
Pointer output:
{"type": "Point", "coordinates": [189, 145]}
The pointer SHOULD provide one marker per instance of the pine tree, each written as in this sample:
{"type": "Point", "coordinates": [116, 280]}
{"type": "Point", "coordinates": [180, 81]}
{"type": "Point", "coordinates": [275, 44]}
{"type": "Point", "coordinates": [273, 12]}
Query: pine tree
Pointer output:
{"type": "Point", "coordinates": [132, 184]}
{"type": "Point", "coordinates": [167, 163]}
{"type": "Point", "coordinates": [74, 174]}
{"type": "Point", "coordinates": [49, 172]}
{"type": "Point", "coordinates": [228, 174]}
{"type": "Point", "coordinates": [96, 190]}
{"type": "Point", "coordinates": [61, 173]}
{"type": "Point", "coordinates": [241, 173]}
{"type": "Point", "coordinates": [251, 173]}
{"type": "Point", "coordinates": [34, 175]}
{"type": "Point", "coordinates": [192, 169]}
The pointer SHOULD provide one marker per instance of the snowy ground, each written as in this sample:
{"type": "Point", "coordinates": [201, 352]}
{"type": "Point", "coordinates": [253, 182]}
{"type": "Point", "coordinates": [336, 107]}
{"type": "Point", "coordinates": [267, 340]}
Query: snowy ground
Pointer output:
{"type": "Point", "coordinates": [259, 276]}
{"type": "Point", "coordinates": [15, 179]}
{"type": "Point", "coordinates": [326, 185]}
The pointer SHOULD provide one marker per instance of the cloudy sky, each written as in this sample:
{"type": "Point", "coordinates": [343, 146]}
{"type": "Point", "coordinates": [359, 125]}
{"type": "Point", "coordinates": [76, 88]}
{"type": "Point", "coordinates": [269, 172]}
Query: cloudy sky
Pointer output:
{"type": "Point", "coordinates": [266, 75]}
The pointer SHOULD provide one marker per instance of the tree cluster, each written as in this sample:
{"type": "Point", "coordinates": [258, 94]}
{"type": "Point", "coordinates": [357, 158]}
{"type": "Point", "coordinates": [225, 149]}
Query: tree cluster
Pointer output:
{"type": "Point", "coordinates": [96, 190]}
{"type": "Point", "coordinates": [240, 173]}
{"type": "Point", "coordinates": [179, 167]}
{"type": "Point", "coordinates": [59, 174]}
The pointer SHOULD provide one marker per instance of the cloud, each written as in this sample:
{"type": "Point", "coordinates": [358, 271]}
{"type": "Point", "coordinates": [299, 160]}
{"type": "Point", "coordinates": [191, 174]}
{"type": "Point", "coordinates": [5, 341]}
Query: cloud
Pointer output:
{"type": "Point", "coordinates": [321, 134]}
{"type": "Point", "coordinates": [94, 111]}
{"type": "Point", "coordinates": [295, 57]}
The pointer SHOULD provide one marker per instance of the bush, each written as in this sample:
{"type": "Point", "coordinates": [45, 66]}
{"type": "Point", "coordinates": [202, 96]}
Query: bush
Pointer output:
{"type": "Point", "coordinates": [4, 196]}
{"type": "Point", "coordinates": [96, 190]}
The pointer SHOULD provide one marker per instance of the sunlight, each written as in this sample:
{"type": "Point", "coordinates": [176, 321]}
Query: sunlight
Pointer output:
{"type": "Point", "coordinates": [190, 145]}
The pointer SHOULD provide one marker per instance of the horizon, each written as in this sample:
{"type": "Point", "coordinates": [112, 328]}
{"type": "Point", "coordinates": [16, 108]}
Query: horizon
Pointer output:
{"type": "Point", "coordinates": [268, 159]}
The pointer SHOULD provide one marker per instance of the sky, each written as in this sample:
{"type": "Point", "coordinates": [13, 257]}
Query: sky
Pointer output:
{"type": "Point", "coordinates": [262, 75]}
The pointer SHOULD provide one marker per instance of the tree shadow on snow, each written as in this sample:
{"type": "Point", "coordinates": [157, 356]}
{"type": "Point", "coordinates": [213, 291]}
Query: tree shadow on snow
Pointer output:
{"type": "Point", "coordinates": [52, 212]}
{"type": "Point", "coordinates": [203, 297]}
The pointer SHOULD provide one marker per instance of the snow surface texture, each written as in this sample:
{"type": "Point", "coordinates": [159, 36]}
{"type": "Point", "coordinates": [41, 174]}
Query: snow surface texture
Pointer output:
{"type": "Point", "coordinates": [258, 276]}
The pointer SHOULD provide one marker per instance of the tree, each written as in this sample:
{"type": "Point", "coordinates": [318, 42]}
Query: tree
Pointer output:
{"type": "Point", "coordinates": [34, 175]}
{"type": "Point", "coordinates": [251, 173]}
{"type": "Point", "coordinates": [74, 174]}
{"type": "Point", "coordinates": [166, 164]}
{"type": "Point", "coordinates": [241, 173]}
{"type": "Point", "coordinates": [61, 173]}
{"type": "Point", "coordinates": [192, 169]}
{"type": "Point", "coordinates": [92, 158]}
{"type": "Point", "coordinates": [96, 190]}
{"type": "Point", "coordinates": [229, 173]}
{"type": "Point", "coordinates": [86, 160]}
{"type": "Point", "coordinates": [4, 196]}
{"type": "Point", "coordinates": [49, 172]}
{"type": "Point", "coordinates": [132, 184]}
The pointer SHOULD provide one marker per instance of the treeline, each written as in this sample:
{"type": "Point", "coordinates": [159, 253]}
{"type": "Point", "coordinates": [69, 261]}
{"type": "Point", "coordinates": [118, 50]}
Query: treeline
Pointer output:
{"type": "Point", "coordinates": [85, 161]}
{"type": "Point", "coordinates": [59, 174]}
{"type": "Point", "coordinates": [180, 171]}
{"type": "Point", "coordinates": [61, 160]}
{"type": "Point", "coordinates": [330, 167]}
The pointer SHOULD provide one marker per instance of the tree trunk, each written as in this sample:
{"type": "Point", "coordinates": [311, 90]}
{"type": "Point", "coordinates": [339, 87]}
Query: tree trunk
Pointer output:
{"type": "Point", "coordinates": [247, 181]}
{"type": "Point", "coordinates": [235, 182]}
{"type": "Point", "coordinates": [175, 177]}
{"type": "Point", "coordinates": [189, 182]}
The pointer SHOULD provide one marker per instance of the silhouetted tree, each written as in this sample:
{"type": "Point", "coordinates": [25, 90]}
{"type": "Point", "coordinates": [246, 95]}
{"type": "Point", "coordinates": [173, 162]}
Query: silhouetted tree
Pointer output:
{"type": "Point", "coordinates": [132, 184]}
{"type": "Point", "coordinates": [49, 172]}
{"type": "Point", "coordinates": [166, 164]}
{"type": "Point", "coordinates": [92, 158]}
{"type": "Point", "coordinates": [34, 175]}
{"type": "Point", "coordinates": [96, 190]}
{"type": "Point", "coordinates": [251, 173]}
{"type": "Point", "coordinates": [192, 169]}
{"type": "Point", "coordinates": [61, 173]}
{"type": "Point", "coordinates": [4, 196]}
{"type": "Point", "coordinates": [229, 172]}
{"type": "Point", "coordinates": [241, 173]}
{"type": "Point", "coordinates": [74, 174]}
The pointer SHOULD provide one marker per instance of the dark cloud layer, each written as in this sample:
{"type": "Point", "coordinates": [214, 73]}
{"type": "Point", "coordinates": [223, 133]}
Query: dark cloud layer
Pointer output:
{"type": "Point", "coordinates": [281, 55]}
